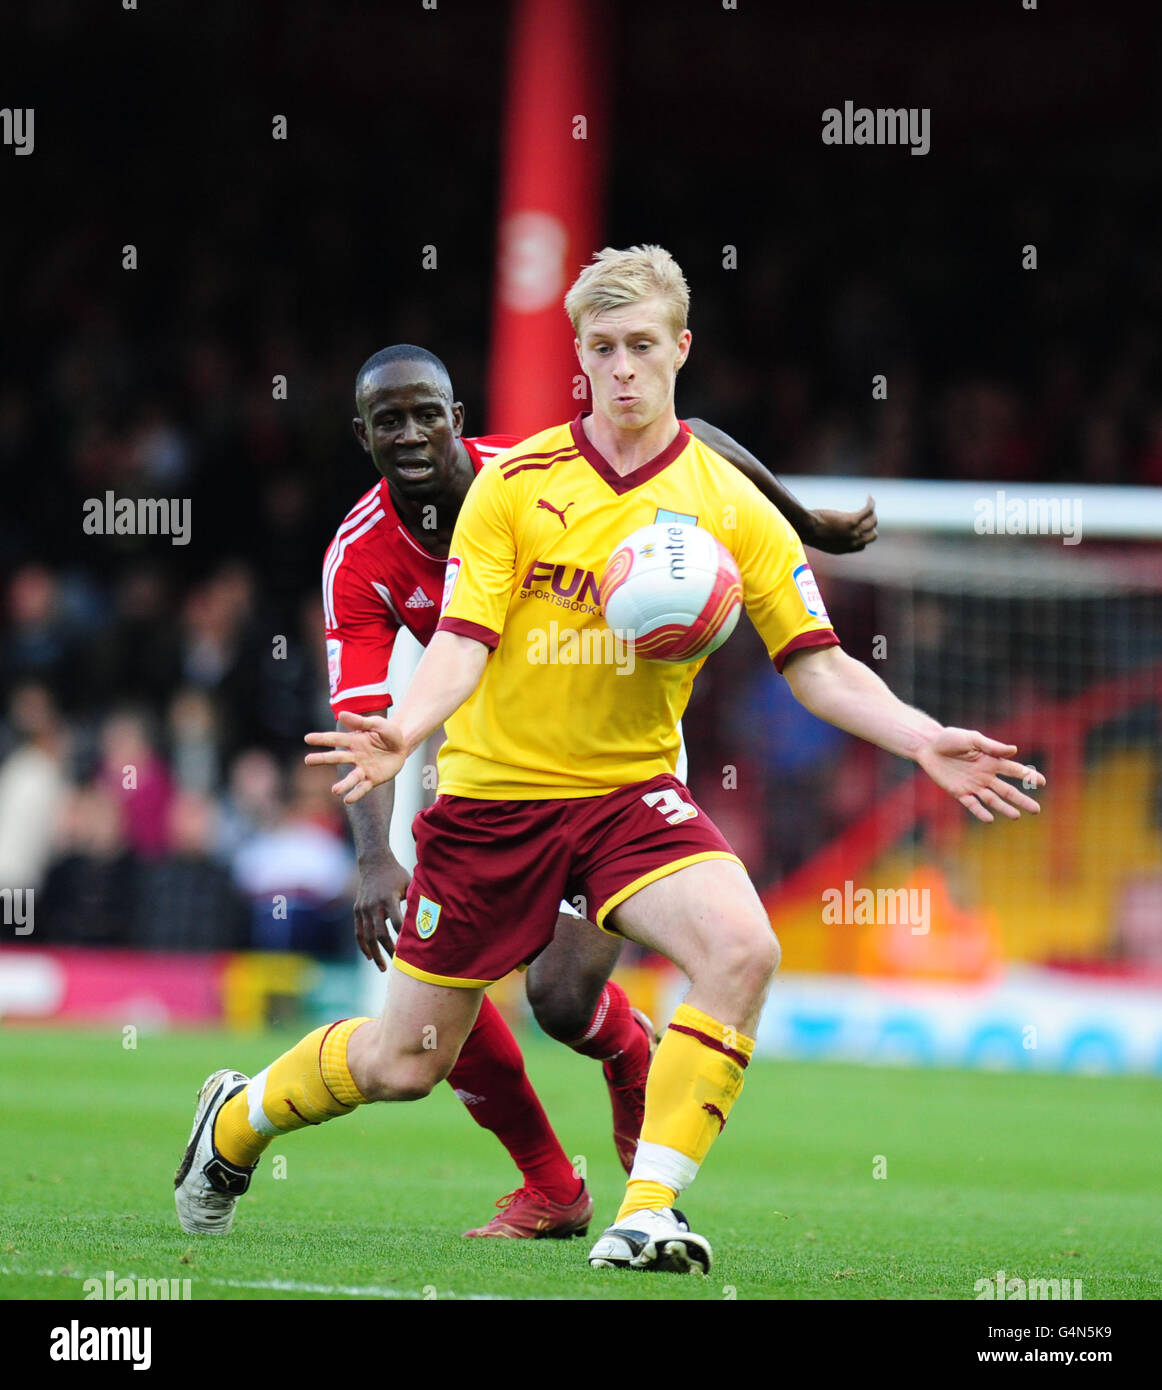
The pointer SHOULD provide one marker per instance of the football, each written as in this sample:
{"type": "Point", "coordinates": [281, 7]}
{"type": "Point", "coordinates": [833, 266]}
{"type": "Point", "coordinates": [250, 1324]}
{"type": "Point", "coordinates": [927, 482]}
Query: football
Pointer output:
{"type": "Point", "coordinates": [675, 589]}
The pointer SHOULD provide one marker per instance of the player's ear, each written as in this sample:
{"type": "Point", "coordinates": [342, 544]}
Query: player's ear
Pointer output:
{"type": "Point", "coordinates": [577, 350]}
{"type": "Point", "coordinates": [685, 338]}
{"type": "Point", "coordinates": [457, 418]}
{"type": "Point", "coordinates": [360, 428]}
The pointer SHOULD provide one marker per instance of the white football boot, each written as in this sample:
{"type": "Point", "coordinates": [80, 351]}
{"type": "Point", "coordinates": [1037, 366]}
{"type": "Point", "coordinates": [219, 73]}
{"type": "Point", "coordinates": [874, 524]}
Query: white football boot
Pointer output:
{"type": "Point", "coordinates": [206, 1186]}
{"type": "Point", "coordinates": [658, 1239]}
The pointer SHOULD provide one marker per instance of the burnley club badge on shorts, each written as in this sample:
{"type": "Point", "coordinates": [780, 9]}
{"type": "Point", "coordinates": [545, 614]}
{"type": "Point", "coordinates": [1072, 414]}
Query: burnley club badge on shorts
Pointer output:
{"type": "Point", "coordinates": [427, 918]}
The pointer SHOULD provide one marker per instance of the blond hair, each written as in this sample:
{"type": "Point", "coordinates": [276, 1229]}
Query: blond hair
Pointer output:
{"type": "Point", "coordinates": [615, 278]}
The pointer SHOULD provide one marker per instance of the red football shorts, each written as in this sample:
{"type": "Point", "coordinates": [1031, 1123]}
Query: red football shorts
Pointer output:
{"type": "Point", "coordinates": [490, 875]}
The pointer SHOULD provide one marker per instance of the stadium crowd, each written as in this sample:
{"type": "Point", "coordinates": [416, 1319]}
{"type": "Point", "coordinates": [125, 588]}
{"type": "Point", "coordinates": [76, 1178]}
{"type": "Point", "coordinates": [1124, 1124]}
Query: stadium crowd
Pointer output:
{"type": "Point", "coordinates": [200, 664]}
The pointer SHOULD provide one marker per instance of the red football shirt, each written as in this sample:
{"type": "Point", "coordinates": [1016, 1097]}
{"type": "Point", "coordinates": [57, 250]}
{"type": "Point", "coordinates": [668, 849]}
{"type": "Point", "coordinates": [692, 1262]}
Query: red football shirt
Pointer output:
{"type": "Point", "coordinates": [377, 578]}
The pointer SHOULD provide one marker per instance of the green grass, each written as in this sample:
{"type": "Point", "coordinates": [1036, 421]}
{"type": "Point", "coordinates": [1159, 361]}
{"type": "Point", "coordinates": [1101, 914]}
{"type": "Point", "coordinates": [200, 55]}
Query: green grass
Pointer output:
{"type": "Point", "coordinates": [1041, 1176]}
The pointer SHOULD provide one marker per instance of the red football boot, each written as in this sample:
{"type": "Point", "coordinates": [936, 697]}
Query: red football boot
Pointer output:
{"type": "Point", "coordinates": [527, 1214]}
{"type": "Point", "coordinates": [628, 1097]}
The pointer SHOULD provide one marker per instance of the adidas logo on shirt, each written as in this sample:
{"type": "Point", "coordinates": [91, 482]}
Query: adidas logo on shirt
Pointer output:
{"type": "Point", "coordinates": [419, 600]}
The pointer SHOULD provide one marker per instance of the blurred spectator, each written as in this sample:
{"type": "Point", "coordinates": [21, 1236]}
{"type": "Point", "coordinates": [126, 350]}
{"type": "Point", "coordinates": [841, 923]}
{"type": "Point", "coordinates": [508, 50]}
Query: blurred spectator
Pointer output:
{"type": "Point", "coordinates": [983, 434]}
{"type": "Point", "coordinates": [138, 658]}
{"type": "Point", "coordinates": [789, 755]}
{"type": "Point", "coordinates": [291, 678]}
{"type": "Point", "coordinates": [194, 741]}
{"type": "Point", "coordinates": [252, 801]}
{"type": "Point", "coordinates": [186, 901]}
{"type": "Point", "coordinates": [284, 545]}
{"type": "Point", "coordinates": [160, 453]}
{"type": "Point", "coordinates": [32, 787]}
{"type": "Point", "coordinates": [312, 799]}
{"type": "Point", "coordinates": [136, 779]}
{"type": "Point", "coordinates": [37, 644]}
{"type": "Point", "coordinates": [88, 892]}
{"type": "Point", "coordinates": [214, 627]}
{"type": "Point", "coordinates": [222, 651]}
{"type": "Point", "coordinates": [299, 878]}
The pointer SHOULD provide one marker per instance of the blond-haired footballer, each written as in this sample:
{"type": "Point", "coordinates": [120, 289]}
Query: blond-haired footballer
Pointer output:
{"type": "Point", "coordinates": [558, 779]}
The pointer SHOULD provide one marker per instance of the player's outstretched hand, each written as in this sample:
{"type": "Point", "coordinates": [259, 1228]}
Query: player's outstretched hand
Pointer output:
{"type": "Point", "coordinates": [843, 533]}
{"type": "Point", "coordinates": [970, 767]}
{"type": "Point", "coordinates": [373, 744]}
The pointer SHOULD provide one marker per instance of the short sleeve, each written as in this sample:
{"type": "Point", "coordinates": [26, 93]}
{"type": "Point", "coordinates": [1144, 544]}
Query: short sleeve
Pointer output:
{"type": "Point", "coordinates": [481, 561]}
{"type": "Point", "coordinates": [782, 597]}
{"type": "Point", "coordinates": [360, 634]}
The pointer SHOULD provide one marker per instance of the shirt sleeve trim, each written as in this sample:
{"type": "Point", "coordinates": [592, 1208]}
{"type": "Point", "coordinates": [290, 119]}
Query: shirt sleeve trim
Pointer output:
{"type": "Point", "coordinates": [462, 628]}
{"type": "Point", "coordinates": [821, 637]}
{"type": "Point", "coordinates": [354, 691]}
{"type": "Point", "coordinates": [359, 704]}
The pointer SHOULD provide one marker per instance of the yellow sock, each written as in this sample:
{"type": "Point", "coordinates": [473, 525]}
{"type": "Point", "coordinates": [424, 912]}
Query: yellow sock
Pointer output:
{"type": "Point", "coordinates": [694, 1080]}
{"type": "Point", "coordinates": [306, 1086]}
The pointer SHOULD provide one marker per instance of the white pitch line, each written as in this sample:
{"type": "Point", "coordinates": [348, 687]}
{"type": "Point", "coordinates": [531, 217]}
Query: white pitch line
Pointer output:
{"type": "Point", "coordinates": [354, 1290]}
{"type": "Point", "coordinates": [273, 1285]}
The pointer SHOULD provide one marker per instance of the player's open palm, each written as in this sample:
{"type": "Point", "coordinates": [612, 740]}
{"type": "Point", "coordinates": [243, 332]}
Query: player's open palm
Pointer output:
{"type": "Point", "coordinates": [971, 768]}
{"type": "Point", "coordinates": [373, 745]}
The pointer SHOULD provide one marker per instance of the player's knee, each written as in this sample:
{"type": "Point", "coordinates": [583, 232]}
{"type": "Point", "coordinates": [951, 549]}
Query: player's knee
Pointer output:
{"type": "Point", "coordinates": [561, 1007]}
{"type": "Point", "coordinates": [407, 1077]}
{"type": "Point", "coordinates": [409, 1089]}
{"type": "Point", "coordinates": [748, 957]}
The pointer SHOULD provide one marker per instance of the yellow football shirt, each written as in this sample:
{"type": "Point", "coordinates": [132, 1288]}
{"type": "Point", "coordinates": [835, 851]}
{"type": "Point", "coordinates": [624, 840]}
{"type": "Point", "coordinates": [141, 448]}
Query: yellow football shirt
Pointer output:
{"type": "Point", "coordinates": [557, 713]}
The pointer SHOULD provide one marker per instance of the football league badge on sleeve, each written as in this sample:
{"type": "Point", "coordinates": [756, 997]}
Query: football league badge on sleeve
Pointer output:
{"type": "Point", "coordinates": [809, 592]}
{"type": "Point", "coordinates": [334, 663]}
{"type": "Point", "coordinates": [427, 918]}
{"type": "Point", "coordinates": [451, 574]}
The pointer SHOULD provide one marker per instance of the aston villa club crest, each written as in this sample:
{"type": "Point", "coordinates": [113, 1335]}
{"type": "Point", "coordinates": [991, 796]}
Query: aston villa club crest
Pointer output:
{"type": "Point", "coordinates": [427, 918]}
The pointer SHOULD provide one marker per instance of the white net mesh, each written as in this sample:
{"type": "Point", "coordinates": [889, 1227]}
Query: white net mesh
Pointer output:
{"type": "Point", "coordinates": [1059, 651]}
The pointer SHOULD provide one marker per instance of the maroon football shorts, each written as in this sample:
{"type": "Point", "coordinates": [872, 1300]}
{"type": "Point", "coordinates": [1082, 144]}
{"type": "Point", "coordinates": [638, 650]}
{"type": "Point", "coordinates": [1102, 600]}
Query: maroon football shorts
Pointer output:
{"type": "Point", "coordinates": [490, 875]}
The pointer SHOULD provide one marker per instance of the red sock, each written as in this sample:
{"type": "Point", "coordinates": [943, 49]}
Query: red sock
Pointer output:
{"type": "Point", "coordinates": [489, 1077]}
{"type": "Point", "coordinates": [615, 1037]}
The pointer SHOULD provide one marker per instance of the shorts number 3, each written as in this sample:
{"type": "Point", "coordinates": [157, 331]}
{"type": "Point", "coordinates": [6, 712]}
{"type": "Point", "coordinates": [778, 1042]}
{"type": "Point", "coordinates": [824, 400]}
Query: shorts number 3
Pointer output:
{"type": "Point", "coordinates": [669, 804]}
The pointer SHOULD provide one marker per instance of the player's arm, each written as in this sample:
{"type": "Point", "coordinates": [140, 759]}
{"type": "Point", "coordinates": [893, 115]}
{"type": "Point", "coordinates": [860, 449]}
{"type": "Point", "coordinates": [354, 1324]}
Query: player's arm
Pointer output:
{"type": "Point", "coordinates": [448, 672]}
{"type": "Point", "coordinates": [360, 633]}
{"type": "Point", "coordinates": [383, 880]}
{"type": "Point", "coordinates": [966, 764]}
{"type": "Point", "coordinates": [477, 587]}
{"type": "Point", "coordinates": [838, 533]}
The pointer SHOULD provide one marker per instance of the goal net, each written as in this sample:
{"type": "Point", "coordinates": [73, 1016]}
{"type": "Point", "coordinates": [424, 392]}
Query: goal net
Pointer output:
{"type": "Point", "coordinates": [978, 606]}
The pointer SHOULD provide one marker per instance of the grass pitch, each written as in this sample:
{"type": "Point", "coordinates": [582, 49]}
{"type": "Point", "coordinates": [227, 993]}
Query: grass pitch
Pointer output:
{"type": "Point", "coordinates": [1039, 1176]}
